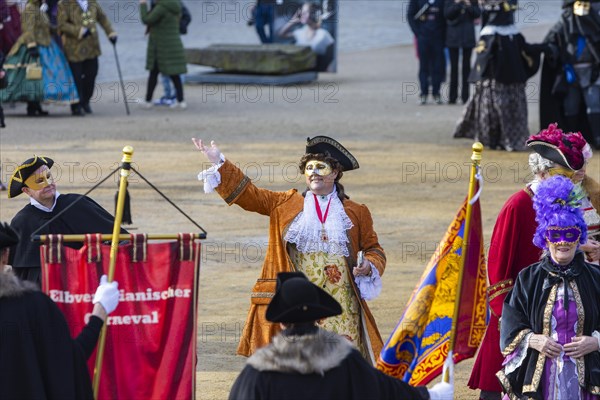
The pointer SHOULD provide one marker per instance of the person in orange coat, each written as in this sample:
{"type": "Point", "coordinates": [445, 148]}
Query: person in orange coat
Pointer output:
{"type": "Point", "coordinates": [320, 232]}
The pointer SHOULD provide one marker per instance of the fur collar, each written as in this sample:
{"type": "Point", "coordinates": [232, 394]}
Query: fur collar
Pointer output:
{"type": "Point", "coordinates": [306, 354]}
{"type": "Point", "coordinates": [11, 286]}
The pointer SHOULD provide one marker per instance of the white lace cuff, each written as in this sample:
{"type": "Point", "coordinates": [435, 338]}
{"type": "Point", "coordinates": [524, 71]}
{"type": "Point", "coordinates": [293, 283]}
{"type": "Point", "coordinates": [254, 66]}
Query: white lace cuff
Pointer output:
{"type": "Point", "coordinates": [369, 286]}
{"type": "Point", "coordinates": [518, 355]}
{"type": "Point", "coordinates": [596, 334]}
{"type": "Point", "coordinates": [211, 176]}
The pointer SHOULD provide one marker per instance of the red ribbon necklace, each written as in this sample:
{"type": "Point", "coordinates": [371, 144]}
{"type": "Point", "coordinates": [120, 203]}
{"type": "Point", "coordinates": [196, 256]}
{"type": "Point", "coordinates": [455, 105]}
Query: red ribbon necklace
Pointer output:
{"type": "Point", "coordinates": [322, 218]}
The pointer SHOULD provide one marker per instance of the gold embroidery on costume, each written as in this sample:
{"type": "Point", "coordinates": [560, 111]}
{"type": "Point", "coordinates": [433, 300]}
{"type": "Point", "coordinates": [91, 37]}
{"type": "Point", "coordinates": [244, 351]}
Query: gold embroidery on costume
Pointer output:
{"type": "Point", "coordinates": [513, 345]}
{"type": "Point", "coordinates": [580, 362]}
{"type": "Point", "coordinates": [539, 365]}
{"type": "Point", "coordinates": [332, 274]}
{"type": "Point", "coordinates": [237, 190]}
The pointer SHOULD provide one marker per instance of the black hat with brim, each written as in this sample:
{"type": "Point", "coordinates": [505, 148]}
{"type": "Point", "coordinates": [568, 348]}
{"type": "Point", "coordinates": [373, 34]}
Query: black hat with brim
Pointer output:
{"type": "Point", "coordinates": [552, 153]}
{"type": "Point", "coordinates": [327, 145]}
{"type": "Point", "coordinates": [8, 237]}
{"type": "Point", "coordinates": [297, 300]}
{"type": "Point", "coordinates": [24, 171]}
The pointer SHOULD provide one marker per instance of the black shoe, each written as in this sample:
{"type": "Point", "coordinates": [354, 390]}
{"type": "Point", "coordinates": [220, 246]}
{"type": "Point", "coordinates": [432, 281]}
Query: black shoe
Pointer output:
{"type": "Point", "coordinates": [77, 111]}
{"type": "Point", "coordinates": [86, 108]}
{"type": "Point", "coordinates": [2, 124]}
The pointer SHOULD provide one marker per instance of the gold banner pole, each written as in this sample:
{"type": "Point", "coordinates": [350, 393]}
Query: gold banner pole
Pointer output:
{"type": "Point", "coordinates": [125, 171]}
{"type": "Point", "coordinates": [475, 161]}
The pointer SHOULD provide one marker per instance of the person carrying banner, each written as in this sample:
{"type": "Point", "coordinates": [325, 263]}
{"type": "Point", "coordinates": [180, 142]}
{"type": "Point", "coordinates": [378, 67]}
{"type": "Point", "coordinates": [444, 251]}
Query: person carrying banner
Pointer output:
{"type": "Point", "coordinates": [307, 362]}
{"type": "Point", "coordinates": [511, 247]}
{"type": "Point", "coordinates": [320, 232]}
{"type": "Point", "coordinates": [39, 359]}
{"type": "Point", "coordinates": [34, 178]}
{"type": "Point", "coordinates": [550, 331]}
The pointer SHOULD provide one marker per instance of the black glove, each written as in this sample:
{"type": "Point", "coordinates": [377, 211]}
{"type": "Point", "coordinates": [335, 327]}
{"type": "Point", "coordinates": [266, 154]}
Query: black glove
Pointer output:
{"type": "Point", "coordinates": [113, 39]}
{"type": "Point", "coordinates": [33, 52]}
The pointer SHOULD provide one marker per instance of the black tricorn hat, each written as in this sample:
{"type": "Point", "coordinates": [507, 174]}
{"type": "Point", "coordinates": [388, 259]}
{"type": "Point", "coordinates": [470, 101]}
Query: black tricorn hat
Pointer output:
{"type": "Point", "coordinates": [8, 237]}
{"type": "Point", "coordinates": [24, 171]}
{"type": "Point", "coordinates": [324, 144]}
{"type": "Point", "coordinates": [298, 300]}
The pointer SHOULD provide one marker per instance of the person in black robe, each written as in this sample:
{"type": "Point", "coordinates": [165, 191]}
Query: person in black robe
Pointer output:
{"type": "Point", "coordinates": [84, 215]}
{"type": "Point", "coordinates": [550, 327]}
{"type": "Point", "coordinates": [569, 87]}
{"type": "Point", "coordinates": [306, 362]}
{"type": "Point", "coordinates": [38, 357]}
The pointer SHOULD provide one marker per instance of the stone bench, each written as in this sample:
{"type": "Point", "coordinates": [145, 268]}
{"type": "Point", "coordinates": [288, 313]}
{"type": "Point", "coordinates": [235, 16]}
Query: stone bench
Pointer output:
{"type": "Point", "coordinates": [265, 59]}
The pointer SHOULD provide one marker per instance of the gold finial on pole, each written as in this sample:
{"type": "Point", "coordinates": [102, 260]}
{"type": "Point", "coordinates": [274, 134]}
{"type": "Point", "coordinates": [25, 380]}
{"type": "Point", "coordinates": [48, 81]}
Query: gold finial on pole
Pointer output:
{"type": "Point", "coordinates": [477, 150]}
{"type": "Point", "coordinates": [114, 247]}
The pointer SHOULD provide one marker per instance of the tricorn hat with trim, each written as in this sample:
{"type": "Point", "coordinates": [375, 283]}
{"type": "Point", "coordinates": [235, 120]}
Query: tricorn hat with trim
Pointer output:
{"type": "Point", "coordinates": [24, 171]}
{"type": "Point", "coordinates": [324, 145]}
{"type": "Point", "coordinates": [565, 149]}
{"type": "Point", "coordinates": [8, 236]}
{"type": "Point", "coordinates": [298, 300]}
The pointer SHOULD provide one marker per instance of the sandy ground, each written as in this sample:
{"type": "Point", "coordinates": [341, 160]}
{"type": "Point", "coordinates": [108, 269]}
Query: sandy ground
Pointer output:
{"type": "Point", "coordinates": [413, 177]}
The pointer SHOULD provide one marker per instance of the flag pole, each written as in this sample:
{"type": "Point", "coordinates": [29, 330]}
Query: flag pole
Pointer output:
{"type": "Point", "coordinates": [475, 161]}
{"type": "Point", "coordinates": [125, 171]}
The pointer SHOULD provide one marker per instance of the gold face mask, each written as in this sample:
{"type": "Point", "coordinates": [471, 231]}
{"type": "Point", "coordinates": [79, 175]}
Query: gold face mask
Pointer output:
{"type": "Point", "coordinates": [320, 168]}
{"type": "Point", "coordinates": [581, 8]}
{"type": "Point", "coordinates": [558, 170]}
{"type": "Point", "coordinates": [40, 180]}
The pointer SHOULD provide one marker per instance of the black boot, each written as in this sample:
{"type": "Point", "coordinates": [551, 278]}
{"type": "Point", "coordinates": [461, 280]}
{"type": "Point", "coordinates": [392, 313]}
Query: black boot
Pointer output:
{"type": "Point", "coordinates": [2, 125]}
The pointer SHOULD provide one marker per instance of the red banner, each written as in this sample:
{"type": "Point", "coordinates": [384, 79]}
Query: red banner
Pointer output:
{"type": "Point", "coordinates": [150, 350]}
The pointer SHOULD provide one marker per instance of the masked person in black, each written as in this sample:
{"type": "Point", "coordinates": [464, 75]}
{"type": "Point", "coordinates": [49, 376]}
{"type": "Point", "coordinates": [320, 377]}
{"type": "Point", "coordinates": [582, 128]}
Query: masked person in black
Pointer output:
{"type": "Point", "coordinates": [570, 88]}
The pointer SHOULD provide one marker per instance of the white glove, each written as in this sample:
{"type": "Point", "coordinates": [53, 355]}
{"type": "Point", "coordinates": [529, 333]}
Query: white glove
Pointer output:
{"type": "Point", "coordinates": [107, 294]}
{"type": "Point", "coordinates": [44, 7]}
{"type": "Point", "coordinates": [444, 390]}
{"type": "Point", "coordinates": [441, 391]}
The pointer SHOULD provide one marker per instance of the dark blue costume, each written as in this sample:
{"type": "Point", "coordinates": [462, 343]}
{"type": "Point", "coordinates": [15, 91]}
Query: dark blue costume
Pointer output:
{"type": "Point", "coordinates": [427, 22]}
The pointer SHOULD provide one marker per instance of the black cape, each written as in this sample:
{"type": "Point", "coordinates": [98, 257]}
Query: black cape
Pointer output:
{"type": "Point", "coordinates": [38, 357]}
{"type": "Point", "coordinates": [86, 216]}
{"type": "Point", "coordinates": [523, 311]}
{"type": "Point", "coordinates": [321, 366]}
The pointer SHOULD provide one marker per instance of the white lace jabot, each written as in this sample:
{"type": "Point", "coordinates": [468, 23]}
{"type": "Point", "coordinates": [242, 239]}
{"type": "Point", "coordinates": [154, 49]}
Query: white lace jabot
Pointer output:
{"type": "Point", "coordinates": [305, 230]}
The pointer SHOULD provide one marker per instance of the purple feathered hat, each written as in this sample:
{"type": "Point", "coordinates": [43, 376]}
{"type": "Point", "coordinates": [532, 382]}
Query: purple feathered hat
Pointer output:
{"type": "Point", "coordinates": [556, 203]}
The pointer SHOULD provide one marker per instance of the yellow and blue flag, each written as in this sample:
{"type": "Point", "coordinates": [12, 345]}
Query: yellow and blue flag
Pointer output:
{"type": "Point", "coordinates": [419, 345]}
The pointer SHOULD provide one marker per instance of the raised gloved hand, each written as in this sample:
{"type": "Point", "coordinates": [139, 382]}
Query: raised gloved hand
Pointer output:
{"type": "Point", "coordinates": [33, 52]}
{"type": "Point", "coordinates": [107, 294]}
{"type": "Point", "coordinates": [44, 7]}
{"type": "Point", "coordinates": [113, 39]}
{"type": "Point", "coordinates": [444, 390]}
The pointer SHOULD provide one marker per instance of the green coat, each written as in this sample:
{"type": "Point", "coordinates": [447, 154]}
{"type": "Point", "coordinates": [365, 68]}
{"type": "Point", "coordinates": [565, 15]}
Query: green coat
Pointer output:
{"type": "Point", "coordinates": [71, 20]}
{"type": "Point", "coordinates": [164, 41]}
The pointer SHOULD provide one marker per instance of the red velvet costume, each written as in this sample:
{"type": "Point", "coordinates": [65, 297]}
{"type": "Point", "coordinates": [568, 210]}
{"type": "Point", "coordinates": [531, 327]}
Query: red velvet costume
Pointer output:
{"type": "Point", "coordinates": [511, 250]}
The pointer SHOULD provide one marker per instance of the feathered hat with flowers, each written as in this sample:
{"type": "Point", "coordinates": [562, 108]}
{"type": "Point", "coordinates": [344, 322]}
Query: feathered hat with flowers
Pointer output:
{"type": "Point", "coordinates": [556, 204]}
{"type": "Point", "coordinates": [569, 150]}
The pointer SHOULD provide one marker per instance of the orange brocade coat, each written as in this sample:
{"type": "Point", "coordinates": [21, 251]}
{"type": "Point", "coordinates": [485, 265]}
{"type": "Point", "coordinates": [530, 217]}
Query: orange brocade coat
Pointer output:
{"type": "Point", "coordinates": [282, 208]}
